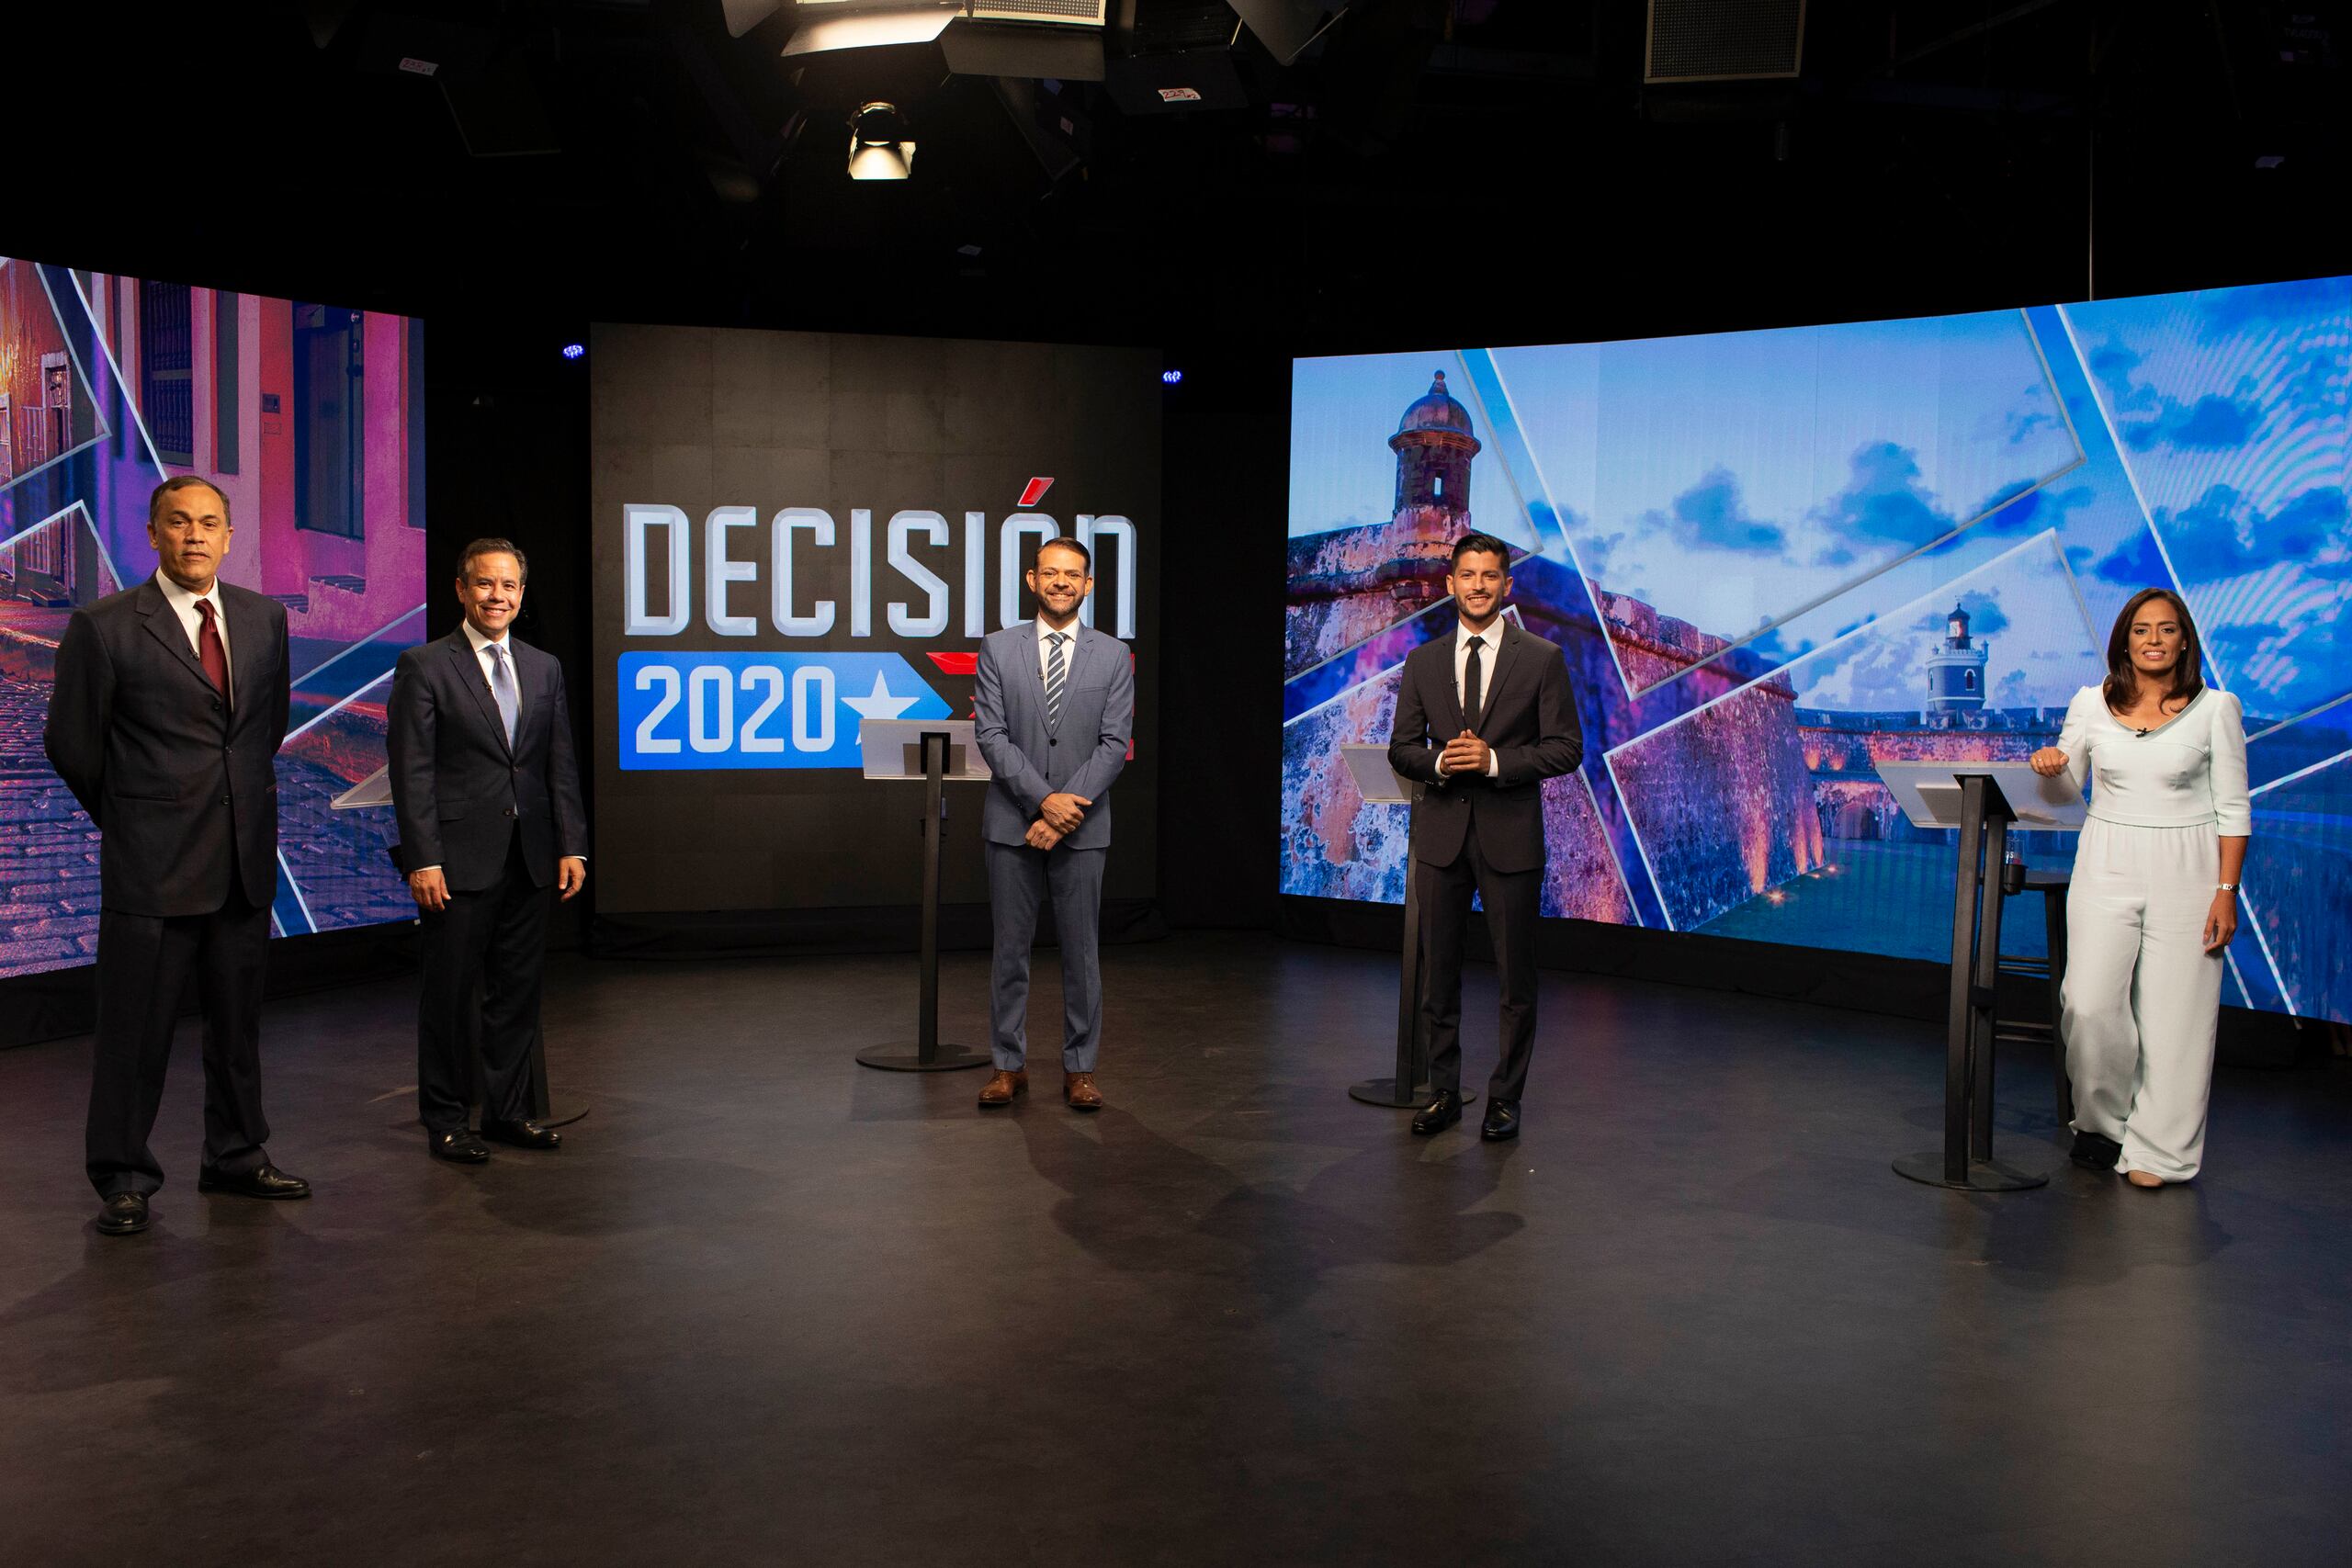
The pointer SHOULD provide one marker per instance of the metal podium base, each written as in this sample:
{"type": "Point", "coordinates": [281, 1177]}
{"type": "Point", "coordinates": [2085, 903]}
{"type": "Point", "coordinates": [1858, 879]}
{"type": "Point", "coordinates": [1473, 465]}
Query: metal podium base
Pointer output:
{"type": "Point", "coordinates": [905, 1058]}
{"type": "Point", "coordinates": [1382, 1091]}
{"type": "Point", "coordinates": [1984, 1175]}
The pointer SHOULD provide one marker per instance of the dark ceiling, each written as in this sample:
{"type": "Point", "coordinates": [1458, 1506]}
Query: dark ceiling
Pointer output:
{"type": "Point", "coordinates": [1431, 170]}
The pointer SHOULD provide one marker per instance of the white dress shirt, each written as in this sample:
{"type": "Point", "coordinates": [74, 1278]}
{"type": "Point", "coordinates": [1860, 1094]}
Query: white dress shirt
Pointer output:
{"type": "Point", "coordinates": [1045, 631]}
{"type": "Point", "coordinates": [481, 646]}
{"type": "Point", "coordinates": [1492, 641]}
{"type": "Point", "coordinates": [183, 604]}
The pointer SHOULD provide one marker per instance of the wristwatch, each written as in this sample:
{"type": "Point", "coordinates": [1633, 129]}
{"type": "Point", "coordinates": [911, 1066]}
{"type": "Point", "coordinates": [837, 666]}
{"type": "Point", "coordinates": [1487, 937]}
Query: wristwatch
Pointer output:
{"type": "Point", "coordinates": [2225, 887]}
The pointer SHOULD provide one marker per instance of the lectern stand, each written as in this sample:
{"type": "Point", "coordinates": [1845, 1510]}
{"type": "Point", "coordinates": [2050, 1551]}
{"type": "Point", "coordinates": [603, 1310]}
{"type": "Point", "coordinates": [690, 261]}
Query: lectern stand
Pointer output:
{"type": "Point", "coordinates": [1979, 799]}
{"type": "Point", "coordinates": [1407, 1087]}
{"type": "Point", "coordinates": [937, 751]}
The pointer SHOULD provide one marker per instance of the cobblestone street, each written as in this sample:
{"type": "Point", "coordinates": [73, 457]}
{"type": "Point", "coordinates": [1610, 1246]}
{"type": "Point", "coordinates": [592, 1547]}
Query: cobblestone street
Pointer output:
{"type": "Point", "coordinates": [49, 852]}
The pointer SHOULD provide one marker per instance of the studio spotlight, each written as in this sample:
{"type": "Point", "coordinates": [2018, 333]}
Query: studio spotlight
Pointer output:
{"type": "Point", "coordinates": [879, 148]}
{"type": "Point", "coordinates": [575, 350]}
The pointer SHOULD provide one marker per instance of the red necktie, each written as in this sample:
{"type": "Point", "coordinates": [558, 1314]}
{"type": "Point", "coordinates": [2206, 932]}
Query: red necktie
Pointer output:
{"type": "Point", "coordinates": [209, 649]}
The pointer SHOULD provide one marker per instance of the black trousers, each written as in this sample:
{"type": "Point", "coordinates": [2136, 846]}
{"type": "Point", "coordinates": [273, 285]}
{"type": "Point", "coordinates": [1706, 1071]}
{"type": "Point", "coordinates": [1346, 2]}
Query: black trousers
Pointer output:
{"type": "Point", "coordinates": [1512, 900]}
{"type": "Point", "coordinates": [496, 937]}
{"type": "Point", "coordinates": [144, 965]}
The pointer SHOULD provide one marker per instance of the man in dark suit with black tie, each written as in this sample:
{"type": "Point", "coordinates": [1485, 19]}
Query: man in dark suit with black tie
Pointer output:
{"type": "Point", "coordinates": [1484, 715]}
{"type": "Point", "coordinates": [166, 716]}
{"type": "Point", "coordinates": [487, 792]}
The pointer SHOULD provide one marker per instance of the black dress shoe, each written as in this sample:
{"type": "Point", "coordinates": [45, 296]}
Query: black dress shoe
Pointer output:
{"type": "Point", "coordinates": [522, 1135]}
{"type": "Point", "coordinates": [265, 1181]}
{"type": "Point", "coordinates": [1502, 1121]}
{"type": "Point", "coordinates": [1437, 1114]}
{"type": "Point", "coordinates": [460, 1147]}
{"type": "Point", "coordinates": [125, 1213]}
{"type": "Point", "coordinates": [2093, 1152]}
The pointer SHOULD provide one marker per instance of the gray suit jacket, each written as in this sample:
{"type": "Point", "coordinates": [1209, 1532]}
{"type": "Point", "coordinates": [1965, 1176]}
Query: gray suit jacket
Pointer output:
{"type": "Point", "coordinates": [1082, 754]}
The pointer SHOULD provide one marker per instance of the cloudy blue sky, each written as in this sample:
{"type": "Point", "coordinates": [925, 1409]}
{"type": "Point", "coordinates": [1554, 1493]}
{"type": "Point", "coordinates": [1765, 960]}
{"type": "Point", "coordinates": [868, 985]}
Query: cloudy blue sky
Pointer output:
{"type": "Point", "coordinates": [2231, 406]}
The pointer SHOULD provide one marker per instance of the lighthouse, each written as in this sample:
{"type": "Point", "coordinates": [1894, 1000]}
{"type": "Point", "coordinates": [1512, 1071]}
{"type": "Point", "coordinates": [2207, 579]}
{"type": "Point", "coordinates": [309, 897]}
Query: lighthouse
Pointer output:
{"type": "Point", "coordinates": [1433, 447]}
{"type": "Point", "coordinates": [1956, 675]}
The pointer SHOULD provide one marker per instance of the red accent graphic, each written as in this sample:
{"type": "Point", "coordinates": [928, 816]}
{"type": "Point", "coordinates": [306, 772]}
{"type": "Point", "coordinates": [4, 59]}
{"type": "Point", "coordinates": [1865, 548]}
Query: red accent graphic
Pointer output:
{"type": "Point", "coordinates": [956, 663]}
{"type": "Point", "coordinates": [1034, 491]}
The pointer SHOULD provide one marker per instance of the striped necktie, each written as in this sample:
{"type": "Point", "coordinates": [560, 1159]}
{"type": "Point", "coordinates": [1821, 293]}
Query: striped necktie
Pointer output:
{"type": "Point", "coordinates": [1056, 670]}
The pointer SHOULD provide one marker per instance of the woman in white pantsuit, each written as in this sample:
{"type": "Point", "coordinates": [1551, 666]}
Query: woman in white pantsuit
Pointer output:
{"type": "Point", "coordinates": [2154, 901]}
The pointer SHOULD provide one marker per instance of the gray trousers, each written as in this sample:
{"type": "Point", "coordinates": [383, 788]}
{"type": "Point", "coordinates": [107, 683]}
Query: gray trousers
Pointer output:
{"type": "Point", "coordinates": [1020, 880]}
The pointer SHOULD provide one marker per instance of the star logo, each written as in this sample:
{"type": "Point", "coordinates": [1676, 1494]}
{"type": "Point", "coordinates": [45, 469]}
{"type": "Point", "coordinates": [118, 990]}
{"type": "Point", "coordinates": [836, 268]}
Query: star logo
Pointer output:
{"type": "Point", "coordinates": [881, 702]}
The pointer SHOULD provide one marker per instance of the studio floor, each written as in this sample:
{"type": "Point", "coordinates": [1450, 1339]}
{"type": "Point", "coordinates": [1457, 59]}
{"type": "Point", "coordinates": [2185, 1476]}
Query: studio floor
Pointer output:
{"type": "Point", "coordinates": [766, 1306]}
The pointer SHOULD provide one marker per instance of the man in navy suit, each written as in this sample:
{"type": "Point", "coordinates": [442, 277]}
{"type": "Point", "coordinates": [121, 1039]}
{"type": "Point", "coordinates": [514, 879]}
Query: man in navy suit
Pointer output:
{"type": "Point", "coordinates": [165, 719]}
{"type": "Point", "coordinates": [1054, 708]}
{"type": "Point", "coordinates": [1485, 715]}
{"type": "Point", "coordinates": [487, 790]}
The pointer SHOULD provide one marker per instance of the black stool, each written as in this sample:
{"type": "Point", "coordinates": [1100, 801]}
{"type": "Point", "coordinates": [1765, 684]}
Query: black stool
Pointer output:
{"type": "Point", "coordinates": [2051, 885]}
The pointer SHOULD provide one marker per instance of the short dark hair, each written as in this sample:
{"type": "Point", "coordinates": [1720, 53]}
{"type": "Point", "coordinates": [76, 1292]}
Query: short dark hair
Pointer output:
{"type": "Point", "coordinates": [1063, 544]}
{"type": "Point", "coordinates": [1480, 544]}
{"type": "Point", "coordinates": [182, 481]}
{"type": "Point", "coordinates": [493, 547]}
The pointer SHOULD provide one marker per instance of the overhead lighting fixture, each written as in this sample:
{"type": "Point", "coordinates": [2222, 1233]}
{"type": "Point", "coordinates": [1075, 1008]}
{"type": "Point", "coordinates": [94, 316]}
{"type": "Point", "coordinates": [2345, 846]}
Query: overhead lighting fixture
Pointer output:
{"type": "Point", "coordinates": [879, 145]}
{"type": "Point", "coordinates": [828, 24]}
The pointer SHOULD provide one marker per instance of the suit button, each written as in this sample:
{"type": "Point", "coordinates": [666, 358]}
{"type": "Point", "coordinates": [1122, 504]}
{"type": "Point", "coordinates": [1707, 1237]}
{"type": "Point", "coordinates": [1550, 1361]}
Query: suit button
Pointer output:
{"type": "Point", "coordinates": [1051, 741]}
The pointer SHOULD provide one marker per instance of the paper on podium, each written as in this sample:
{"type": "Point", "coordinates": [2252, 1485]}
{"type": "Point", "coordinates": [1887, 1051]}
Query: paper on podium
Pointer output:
{"type": "Point", "coordinates": [1375, 780]}
{"type": "Point", "coordinates": [893, 749]}
{"type": "Point", "coordinates": [1930, 794]}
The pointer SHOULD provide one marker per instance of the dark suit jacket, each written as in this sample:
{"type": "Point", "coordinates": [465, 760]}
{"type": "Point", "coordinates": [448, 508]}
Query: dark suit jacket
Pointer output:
{"type": "Point", "coordinates": [1530, 720]}
{"type": "Point", "coordinates": [180, 783]}
{"type": "Point", "coordinates": [459, 791]}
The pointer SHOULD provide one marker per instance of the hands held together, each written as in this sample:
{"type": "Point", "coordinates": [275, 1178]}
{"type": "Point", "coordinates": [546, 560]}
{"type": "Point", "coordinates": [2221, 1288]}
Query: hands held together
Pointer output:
{"type": "Point", "coordinates": [1058, 818]}
{"type": "Point", "coordinates": [1465, 753]}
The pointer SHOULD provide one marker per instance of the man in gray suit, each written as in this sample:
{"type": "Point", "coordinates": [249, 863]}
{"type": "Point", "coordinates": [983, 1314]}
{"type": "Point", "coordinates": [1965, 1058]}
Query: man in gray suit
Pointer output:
{"type": "Point", "coordinates": [1054, 708]}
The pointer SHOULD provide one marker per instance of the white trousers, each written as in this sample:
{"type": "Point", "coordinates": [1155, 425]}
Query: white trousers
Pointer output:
{"type": "Point", "coordinates": [2142, 995]}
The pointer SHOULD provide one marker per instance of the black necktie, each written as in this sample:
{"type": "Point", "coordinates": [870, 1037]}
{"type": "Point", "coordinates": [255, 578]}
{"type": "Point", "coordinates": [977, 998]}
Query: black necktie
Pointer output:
{"type": "Point", "coordinates": [1470, 681]}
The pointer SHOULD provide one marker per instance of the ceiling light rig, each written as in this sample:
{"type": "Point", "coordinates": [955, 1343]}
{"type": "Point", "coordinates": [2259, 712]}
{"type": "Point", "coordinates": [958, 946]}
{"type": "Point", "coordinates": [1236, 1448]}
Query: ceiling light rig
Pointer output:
{"type": "Point", "coordinates": [879, 148]}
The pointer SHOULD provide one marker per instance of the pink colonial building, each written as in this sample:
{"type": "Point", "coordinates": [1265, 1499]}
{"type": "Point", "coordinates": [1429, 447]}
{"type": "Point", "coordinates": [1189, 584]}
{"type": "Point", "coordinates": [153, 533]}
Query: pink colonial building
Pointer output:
{"type": "Point", "coordinates": [310, 418]}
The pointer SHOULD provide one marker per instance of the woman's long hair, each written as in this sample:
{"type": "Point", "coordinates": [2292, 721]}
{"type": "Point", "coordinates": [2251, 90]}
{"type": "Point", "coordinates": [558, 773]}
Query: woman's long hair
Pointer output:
{"type": "Point", "coordinates": [2121, 685]}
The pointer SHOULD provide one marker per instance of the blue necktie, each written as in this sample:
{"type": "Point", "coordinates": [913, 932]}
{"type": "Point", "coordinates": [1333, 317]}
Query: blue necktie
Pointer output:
{"type": "Point", "coordinates": [502, 689]}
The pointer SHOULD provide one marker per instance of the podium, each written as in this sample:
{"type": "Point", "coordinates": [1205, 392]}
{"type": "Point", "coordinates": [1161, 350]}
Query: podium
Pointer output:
{"type": "Point", "coordinates": [1406, 1086]}
{"type": "Point", "coordinates": [938, 751]}
{"type": "Point", "coordinates": [1981, 799]}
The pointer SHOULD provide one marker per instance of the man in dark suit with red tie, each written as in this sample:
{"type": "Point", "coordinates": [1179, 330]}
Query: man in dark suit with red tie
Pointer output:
{"type": "Point", "coordinates": [1484, 715]}
{"type": "Point", "coordinates": [487, 790]}
{"type": "Point", "coordinates": [165, 719]}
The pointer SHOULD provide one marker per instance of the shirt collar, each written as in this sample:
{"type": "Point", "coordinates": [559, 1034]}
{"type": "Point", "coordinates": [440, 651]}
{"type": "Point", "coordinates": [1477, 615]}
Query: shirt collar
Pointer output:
{"type": "Point", "coordinates": [183, 601]}
{"type": "Point", "coordinates": [478, 642]}
{"type": "Point", "coordinates": [1491, 637]}
{"type": "Point", "coordinates": [1046, 630]}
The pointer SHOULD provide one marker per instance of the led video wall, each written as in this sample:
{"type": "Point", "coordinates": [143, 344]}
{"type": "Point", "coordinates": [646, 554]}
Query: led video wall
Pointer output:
{"type": "Point", "coordinates": [796, 532]}
{"type": "Point", "coordinates": [1777, 560]}
{"type": "Point", "coordinates": [310, 418]}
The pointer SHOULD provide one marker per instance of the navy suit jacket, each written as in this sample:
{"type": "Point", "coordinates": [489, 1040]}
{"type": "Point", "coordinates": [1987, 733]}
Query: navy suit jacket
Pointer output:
{"type": "Point", "coordinates": [1081, 755]}
{"type": "Point", "coordinates": [182, 784]}
{"type": "Point", "coordinates": [461, 793]}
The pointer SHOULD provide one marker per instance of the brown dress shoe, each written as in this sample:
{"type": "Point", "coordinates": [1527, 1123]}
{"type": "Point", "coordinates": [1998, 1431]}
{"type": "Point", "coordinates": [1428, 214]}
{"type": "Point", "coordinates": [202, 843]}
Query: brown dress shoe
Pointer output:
{"type": "Point", "coordinates": [1079, 1093]}
{"type": "Point", "coordinates": [1001, 1086]}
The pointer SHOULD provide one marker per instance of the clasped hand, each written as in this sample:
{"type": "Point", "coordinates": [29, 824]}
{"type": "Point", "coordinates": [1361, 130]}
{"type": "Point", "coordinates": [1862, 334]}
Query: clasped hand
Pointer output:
{"type": "Point", "coordinates": [1057, 816]}
{"type": "Point", "coordinates": [2049, 762]}
{"type": "Point", "coordinates": [1465, 753]}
